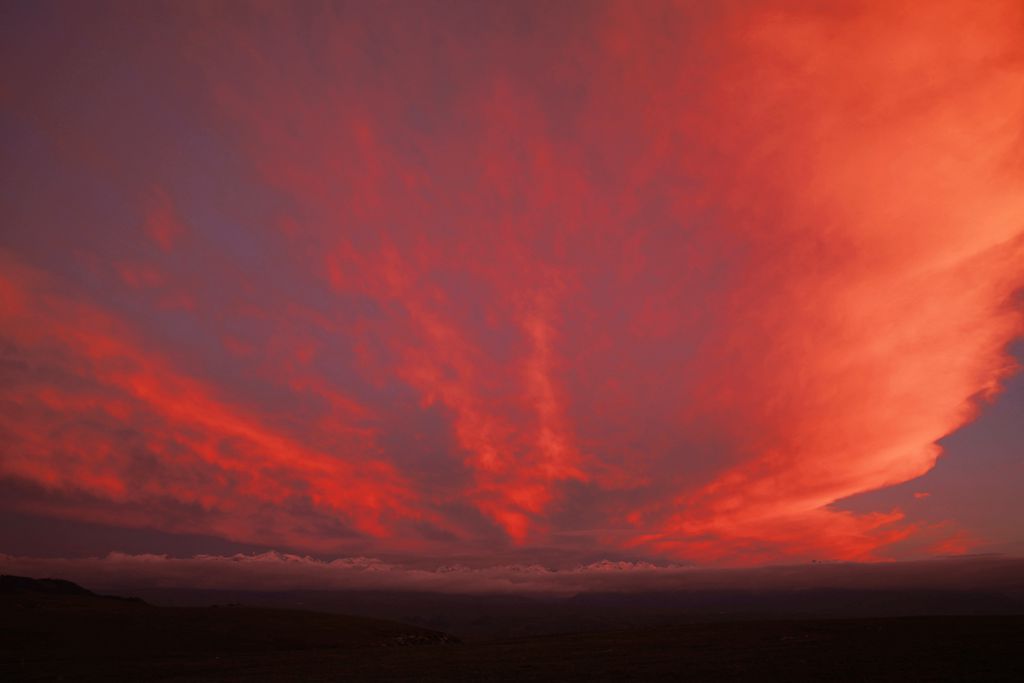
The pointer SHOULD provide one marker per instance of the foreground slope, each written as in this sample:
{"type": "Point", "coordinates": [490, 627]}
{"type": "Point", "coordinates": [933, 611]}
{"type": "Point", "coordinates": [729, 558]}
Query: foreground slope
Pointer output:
{"type": "Point", "coordinates": [72, 635]}
{"type": "Point", "coordinates": [56, 628]}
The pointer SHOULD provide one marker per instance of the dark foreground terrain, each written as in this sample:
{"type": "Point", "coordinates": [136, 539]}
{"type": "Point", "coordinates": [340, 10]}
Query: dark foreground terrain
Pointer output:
{"type": "Point", "coordinates": [56, 630]}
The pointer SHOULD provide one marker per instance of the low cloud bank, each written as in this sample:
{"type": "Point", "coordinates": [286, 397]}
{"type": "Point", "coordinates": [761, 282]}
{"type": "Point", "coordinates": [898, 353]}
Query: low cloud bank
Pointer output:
{"type": "Point", "coordinates": [274, 571]}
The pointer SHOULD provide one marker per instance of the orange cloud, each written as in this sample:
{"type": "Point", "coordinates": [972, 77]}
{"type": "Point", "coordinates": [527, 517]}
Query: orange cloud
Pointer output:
{"type": "Point", "coordinates": [651, 278]}
{"type": "Point", "coordinates": [880, 302]}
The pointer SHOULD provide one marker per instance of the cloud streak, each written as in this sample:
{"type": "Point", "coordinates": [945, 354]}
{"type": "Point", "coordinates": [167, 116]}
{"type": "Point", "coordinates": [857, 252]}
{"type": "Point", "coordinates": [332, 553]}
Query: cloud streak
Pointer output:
{"type": "Point", "coordinates": [663, 280]}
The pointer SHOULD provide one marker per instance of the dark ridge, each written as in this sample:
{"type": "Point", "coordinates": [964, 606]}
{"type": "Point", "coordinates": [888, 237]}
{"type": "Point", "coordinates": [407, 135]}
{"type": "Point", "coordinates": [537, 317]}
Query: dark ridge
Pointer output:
{"type": "Point", "coordinates": [21, 585]}
{"type": "Point", "coordinates": [55, 630]}
{"type": "Point", "coordinates": [26, 586]}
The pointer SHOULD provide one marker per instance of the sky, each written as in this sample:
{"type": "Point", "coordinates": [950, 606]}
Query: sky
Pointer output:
{"type": "Point", "coordinates": [689, 283]}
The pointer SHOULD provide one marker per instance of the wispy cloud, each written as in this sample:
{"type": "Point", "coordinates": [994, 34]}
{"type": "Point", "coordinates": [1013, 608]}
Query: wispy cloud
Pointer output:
{"type": "Point", "coordinates": [427, 279]}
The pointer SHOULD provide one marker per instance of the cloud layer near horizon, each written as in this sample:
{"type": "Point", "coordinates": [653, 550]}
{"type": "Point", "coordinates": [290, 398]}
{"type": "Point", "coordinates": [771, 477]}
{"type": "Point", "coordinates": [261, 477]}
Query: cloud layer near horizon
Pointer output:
{"type": "Point", "coordinates": [659, 278]}
{"type": "Point", "coordinates": [274, 571]}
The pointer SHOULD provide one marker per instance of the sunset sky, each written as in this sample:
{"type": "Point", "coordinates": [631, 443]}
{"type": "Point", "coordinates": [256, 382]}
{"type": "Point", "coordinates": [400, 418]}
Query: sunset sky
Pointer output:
{"type": "Point", "coordinates": [722, 283]}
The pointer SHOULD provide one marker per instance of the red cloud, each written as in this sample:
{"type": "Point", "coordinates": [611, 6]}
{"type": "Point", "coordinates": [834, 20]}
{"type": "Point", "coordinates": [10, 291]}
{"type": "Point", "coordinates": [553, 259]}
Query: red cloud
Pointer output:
{"type": "Point", "coordinates": [665, 279]}
{"type": "Point", "coordinates": [119, 423]}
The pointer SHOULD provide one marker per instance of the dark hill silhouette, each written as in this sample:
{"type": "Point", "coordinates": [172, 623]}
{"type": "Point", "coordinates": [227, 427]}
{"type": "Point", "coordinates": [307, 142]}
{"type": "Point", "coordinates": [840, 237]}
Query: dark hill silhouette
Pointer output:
{"type": "Point", "coordinates": [13, 585]}
{"type": "Point", "coordinates": [51, 629]}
